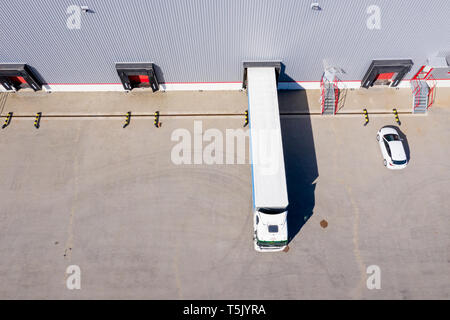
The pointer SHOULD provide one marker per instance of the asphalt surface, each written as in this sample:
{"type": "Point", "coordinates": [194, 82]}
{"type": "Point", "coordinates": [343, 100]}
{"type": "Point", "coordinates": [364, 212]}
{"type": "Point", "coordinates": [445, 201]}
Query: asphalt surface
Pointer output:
{"type": "Point", "coordinates": [87, 192]}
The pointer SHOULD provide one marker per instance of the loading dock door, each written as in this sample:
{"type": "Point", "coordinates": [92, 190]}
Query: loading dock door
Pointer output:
{"type": "Point", "coordinates": [137, 75]}
{"type": "Point", "coordinates": [386, 72]}
{"type": "Point", "coordinates": [18, 76]}
{"type": "Point", "coordinates": [139, 81]}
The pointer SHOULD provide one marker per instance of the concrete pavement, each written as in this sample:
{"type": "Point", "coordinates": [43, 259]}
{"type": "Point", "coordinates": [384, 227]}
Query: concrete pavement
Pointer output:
{"type": "Point", "coordinates": [87, 192]}
{"type": "Point", "coordinates": [207, 102]}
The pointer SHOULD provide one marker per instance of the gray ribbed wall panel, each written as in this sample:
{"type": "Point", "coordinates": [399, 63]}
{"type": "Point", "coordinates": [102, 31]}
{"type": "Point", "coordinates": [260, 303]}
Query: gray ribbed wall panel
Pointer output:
{"type": "Point", "coordinates": [206, 40]}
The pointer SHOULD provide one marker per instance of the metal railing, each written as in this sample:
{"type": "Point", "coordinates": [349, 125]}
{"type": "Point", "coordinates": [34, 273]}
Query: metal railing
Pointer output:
{"type": "Point", "coordinates": [322, 94]}
{"type": "Point", "coordinates": [336, 93]}
{"type": "Point", "coordinates": [429, 80]}
{"type": "Point", "coordinates": [431, 94]}
{"type": "Point", "coordinates": [416, 92]}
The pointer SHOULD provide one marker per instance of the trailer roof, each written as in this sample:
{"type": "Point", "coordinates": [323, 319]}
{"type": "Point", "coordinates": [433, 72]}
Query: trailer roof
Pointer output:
{"type": "Point", "coordinates": [266, 147]}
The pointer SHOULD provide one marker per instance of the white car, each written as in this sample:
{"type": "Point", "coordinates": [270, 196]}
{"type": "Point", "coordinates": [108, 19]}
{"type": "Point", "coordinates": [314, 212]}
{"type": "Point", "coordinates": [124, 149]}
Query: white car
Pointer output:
{"type": "Point", "coordinates": [391, 146]}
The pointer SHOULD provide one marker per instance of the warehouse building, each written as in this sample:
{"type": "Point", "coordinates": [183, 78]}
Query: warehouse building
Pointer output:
{"type": "Point", "coordinates": [120, 45]}
{"type": "Point", "coordinates": [152, 149]}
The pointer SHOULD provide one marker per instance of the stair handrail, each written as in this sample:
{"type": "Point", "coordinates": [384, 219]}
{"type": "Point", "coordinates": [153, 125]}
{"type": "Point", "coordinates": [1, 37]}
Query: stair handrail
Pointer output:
{"type": "Point", "coordinates": [416, 92]}
{"type": "Point", "coordinates": [322, 94]}
{"type": "Point", "coordinates": [431, 92]}
{"type": "Point", "coordinates": [418, 73]}
{"type": "Point", "coordinates": [429, 81]}
{"type": "Point", "coordinates": [336, 93]}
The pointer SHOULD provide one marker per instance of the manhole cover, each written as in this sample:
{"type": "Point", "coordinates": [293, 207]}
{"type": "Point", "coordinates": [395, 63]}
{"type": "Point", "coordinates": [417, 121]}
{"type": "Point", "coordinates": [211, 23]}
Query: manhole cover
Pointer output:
{"type": "Point", "coordinates": [324, 224]}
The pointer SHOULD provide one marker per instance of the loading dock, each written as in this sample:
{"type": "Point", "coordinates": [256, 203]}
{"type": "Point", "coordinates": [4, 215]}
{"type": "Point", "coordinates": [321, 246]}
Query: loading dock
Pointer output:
{"type": "Point", "coordinates": [386, 72]}
{"type": "Point", "coordinates": [14, 77]}
{"type": "Point", "coordinates": [137, 75]}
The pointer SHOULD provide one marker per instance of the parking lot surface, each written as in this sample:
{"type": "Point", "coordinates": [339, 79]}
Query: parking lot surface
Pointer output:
{"type": "Point", "coordinates": [86, 192]}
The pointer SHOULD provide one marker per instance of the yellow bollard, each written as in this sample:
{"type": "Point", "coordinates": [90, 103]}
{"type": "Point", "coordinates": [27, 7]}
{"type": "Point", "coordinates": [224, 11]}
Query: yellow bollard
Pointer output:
{"type": "Point", "coordinates": [366, 117]}
{"type": "Point", "coordinates": [127, 119]}
{"type": "Point", "coordinates": [156, 123]}
{"type": "Point", "coordinates": [396, 116]}
{"type": "Point", "coordinates": [246, 118]}
{"type": "Point", "coordinates": [7, 120]}
{"type": "Point", "coordinates": [37, 121]}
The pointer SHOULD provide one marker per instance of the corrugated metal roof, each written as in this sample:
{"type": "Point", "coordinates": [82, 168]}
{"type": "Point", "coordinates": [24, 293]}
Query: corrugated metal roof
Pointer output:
{"type": "Point", "coordinates": [207, 40]}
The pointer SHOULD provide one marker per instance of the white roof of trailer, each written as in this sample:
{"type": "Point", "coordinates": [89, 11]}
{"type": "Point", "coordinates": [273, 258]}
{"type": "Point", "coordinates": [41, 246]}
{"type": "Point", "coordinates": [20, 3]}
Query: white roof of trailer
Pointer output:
{"type": "Point", "coordinates": [269, 178]}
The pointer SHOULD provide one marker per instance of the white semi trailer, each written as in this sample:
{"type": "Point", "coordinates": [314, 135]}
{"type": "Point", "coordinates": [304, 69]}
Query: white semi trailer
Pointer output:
{"type": "Point", "coordinates": [270, 199]}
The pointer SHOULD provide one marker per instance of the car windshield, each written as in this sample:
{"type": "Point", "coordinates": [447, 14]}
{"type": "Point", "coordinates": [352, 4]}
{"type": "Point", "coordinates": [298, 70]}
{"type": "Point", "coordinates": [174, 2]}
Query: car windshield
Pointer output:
{"type": "Point", "coordinates": [271, 210]}
{"type": "Point", "coordinates": [399, 162]}
{"type": "Point", "coordinates": [392, 137]}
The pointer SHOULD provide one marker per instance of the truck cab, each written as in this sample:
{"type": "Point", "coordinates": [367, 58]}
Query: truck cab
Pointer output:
{"type": "Point", "coordinates": [271, 231]}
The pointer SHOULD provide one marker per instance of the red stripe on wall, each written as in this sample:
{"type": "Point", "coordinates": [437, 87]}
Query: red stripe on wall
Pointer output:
{"type": "Point", "coordinates": [201, 82]}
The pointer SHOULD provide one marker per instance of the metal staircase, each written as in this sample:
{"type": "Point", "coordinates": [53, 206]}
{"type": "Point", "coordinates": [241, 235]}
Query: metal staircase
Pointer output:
{"type": "Point", "coordinates": [423, 89]}
{"type": "Point", "coordinates": [329, 94]}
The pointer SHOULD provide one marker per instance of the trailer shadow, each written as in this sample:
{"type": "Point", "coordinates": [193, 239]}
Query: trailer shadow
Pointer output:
{"type": "Point", "coordinates": [299, 157]}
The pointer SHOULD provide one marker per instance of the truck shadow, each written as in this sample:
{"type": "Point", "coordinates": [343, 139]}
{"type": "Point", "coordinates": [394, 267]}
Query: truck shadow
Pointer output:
{"type": "Point", "coordinates": [299, 158]}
